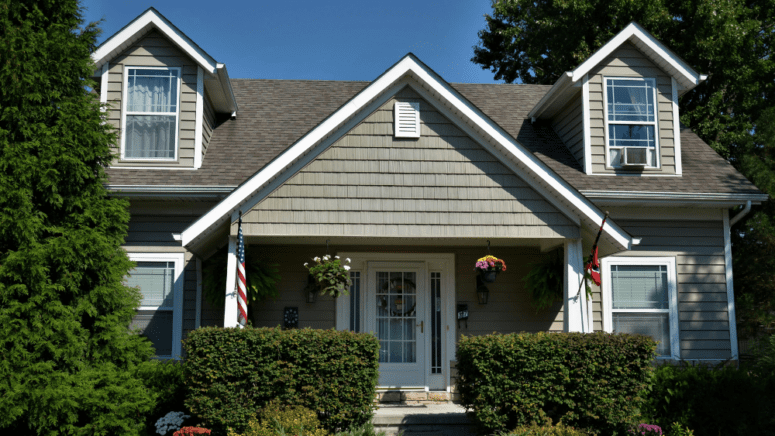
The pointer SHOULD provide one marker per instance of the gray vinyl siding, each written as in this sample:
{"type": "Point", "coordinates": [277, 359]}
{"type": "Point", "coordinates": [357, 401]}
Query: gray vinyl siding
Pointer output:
{"type": "Point", "coordinates": [698, 247]}
{"type": "Point", "coordinates": [568, 123]}
{"type": "Point", "coordinates": [443, 184]}
{"type": "Point", "coordinates": [157, 51]}
{"type": "Point", "coordinates": [507, 311]}
{"type": "Point", "coordinates": [627, 61]}
{"type": "Point", "coordinates": [208, 124]}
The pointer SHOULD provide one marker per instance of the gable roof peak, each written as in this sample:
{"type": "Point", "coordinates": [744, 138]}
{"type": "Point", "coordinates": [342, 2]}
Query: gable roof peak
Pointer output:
{"type": "Point", "coordinates": [568, 83]}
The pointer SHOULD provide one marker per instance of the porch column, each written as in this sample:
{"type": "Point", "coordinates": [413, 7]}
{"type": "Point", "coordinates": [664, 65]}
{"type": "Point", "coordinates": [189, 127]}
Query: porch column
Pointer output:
{"type": "Point", "coordinates": [230, 305]}
{"type": "Point", "coordinates": [576, 313]}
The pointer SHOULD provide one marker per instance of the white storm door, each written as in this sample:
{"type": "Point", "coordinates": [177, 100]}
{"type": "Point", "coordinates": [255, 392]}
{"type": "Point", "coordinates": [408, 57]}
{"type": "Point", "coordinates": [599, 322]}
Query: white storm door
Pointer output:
{"type": "Point", "coordinates": [397, 297]}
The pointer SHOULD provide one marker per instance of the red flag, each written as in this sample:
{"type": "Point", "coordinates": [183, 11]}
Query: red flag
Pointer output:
{"type": "Point", "coordinates": [593, 263]}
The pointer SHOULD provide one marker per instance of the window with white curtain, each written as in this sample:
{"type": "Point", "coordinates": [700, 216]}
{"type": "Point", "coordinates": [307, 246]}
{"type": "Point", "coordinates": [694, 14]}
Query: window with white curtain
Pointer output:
{"type": "Point", "coordinates": [631, 120]}
{"type": "Point", "coordinates": [159, 317]}
{"type": "Point", "coordinates": [151, 113]}
{"type": "Point", "coordinates": [640, 297]}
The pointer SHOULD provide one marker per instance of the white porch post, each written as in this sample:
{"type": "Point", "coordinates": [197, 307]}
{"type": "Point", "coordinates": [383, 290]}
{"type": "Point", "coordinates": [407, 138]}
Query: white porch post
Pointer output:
{"type": "Point", "coordinates": [230, 305]}
{"type": "Point", "coordinates": [576, 313]}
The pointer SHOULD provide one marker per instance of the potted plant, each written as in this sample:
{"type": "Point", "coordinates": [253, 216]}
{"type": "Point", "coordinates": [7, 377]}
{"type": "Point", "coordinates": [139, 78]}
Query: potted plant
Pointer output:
{"type": "Point", "coordinates": [331, 275]}
{"type": "Point", "coordinates": [489, 267]}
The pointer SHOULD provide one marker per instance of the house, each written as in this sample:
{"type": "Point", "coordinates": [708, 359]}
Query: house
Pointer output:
{"type": "Point", "coordinates": [517, 171]}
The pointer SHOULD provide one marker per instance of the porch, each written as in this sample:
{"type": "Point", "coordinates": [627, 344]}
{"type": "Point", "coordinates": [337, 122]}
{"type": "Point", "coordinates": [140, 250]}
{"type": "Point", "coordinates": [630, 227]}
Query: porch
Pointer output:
{"type": "Point", "coordinates": [418, 297]}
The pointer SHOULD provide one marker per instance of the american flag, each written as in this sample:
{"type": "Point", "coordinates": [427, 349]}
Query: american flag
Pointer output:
{"type": "Point", "coordinates": [242, 301]}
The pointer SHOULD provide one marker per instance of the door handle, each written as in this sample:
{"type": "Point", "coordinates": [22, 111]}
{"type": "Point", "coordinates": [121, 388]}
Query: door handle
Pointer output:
{"type": "Point", "coordinates": [422, 326]}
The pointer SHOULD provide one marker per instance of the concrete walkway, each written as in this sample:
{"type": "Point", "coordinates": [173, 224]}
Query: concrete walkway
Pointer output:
{"type": "Point", "coordinates": [442, 419]}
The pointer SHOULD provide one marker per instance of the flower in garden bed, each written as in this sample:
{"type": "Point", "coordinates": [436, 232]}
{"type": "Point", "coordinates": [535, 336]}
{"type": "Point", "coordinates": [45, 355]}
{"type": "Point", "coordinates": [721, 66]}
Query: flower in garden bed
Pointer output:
{"type": "Point", "coordinates": [191, 431]}
{"type": "Point", "coordinates": [490, 263]}
{"type": "Point", "coordinates": [170, 421]}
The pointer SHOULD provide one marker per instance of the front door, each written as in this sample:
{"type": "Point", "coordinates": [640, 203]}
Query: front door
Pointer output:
{"type": "Point", "coordinates": [398, 298]}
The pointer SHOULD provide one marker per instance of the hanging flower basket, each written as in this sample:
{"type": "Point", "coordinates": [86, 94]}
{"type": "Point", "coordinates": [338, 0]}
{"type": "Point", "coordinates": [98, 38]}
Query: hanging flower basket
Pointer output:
{"type": "Point", "coordinates": [331, 275]}
{"type": "Point", "coordinates": [489, 267]}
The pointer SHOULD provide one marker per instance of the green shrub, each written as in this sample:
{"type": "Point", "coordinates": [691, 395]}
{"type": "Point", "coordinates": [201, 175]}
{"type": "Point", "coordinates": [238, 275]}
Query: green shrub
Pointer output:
{"type": "Point", "coordinates": [537, 430]}
{"type": "Point", "coordinates": [713, 400]}
{"type": "Point", "coordinates": [232, 373]}
{"type": "Point", "coordinates": [283, 420]}
{"type": "Point", "coordinates": [362, 430]}
{"type": "Point", "coordinates": [594, 381]}
{"type": "Point", "coordinates": [165, 380]}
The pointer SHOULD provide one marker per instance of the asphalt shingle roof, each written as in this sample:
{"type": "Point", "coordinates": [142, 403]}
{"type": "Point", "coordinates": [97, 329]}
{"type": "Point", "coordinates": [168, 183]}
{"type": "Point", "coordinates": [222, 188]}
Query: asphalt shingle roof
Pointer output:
{"type": "Point", "coordinates": [274, 114]}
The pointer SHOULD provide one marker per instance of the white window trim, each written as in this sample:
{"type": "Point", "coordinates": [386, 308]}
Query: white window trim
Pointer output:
{"type": "Point", "coordinates": [177, 309]}
{"type": "Point", "coordinates": [669, 262]}
{"type": "Point", "coordinates": [655, 123]}
{"type": "Point", "coordinates": [125, 100]}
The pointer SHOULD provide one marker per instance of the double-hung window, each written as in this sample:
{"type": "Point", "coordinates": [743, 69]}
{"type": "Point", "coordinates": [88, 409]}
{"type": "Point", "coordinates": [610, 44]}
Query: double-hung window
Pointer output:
{"type": "Point", "coordinates": [631, 122]}
{"type": "Point", "coordinates": [151, 113]}
{"type": "Point", "coordinates": [639, 296]}
{"type": "Point", "coordinates": [159, 317]}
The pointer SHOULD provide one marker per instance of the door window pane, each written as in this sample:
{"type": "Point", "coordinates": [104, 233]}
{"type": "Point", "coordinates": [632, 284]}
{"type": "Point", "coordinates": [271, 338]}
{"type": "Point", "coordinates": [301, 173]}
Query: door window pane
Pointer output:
{"type": "Point", "coordinates": [397, 316]}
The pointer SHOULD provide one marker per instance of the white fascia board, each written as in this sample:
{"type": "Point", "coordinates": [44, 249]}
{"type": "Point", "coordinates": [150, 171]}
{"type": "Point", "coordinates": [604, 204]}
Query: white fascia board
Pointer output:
{"type": "Point", "coordinates": [223, 77]}
{"type": "Point", "coordinates": [444, 92]}
{"type": "Point", "coordinates": [152, 18]}
{"type": "Point", "coordinates": [633, 30]}
{"type": "Point", "coordinates": [565, 81]}
{"type": "Point", "coordinates": [104, 83]}
{"type": "Point", "coordinates": [676, 127]}
{"type": "Point", "coordinates": [199, 116]}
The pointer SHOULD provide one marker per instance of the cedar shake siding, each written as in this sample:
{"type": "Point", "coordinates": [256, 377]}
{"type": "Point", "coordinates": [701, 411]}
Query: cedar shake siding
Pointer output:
{"type": "Point", "coordinates": [370, 184]}
{"type": "Point", "coordinates": [507, 311]}
{"type": "Point", "coordinates": [155, 50]}
{"type": "Point", "coordinates": [627, 61]}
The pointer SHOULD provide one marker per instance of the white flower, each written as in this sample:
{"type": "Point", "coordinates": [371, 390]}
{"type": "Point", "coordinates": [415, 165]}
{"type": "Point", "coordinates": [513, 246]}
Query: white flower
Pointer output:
{"type": "Point", "coordinates": [316, 259]}
{"type": "Point", "coordinates": [336, 257]}
{"type": "Point", "coordinates": [171, 421]}
{"type": "Point", "coordinates": [326, 258]}
{"type": "Point", "coordinates": [306, 263]}
{"type": "Point", "coordinates": [348, 260]}
{"type": "Point", "coordinates": [347, 268]}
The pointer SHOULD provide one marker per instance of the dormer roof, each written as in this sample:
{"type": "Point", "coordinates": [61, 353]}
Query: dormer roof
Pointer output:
{"type": "Point", "coordinates": [217, 81]}
{"type": "Point", "coordinates": [569, 82]}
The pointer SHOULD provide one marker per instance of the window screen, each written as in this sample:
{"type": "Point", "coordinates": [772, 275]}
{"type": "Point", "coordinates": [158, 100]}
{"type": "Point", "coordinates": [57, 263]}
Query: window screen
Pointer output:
{"type": "Point", "coordinates": [155, 318]}
{"type": "Point", "coordinates": [631, 116]}
{"type": "Point", "coordinates": [152, 111]}
{"type": "Point", "coordinates": [640, 302]}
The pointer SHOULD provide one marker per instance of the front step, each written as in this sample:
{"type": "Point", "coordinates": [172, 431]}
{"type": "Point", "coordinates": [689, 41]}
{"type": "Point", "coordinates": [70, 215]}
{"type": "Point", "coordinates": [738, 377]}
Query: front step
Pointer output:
{"type": "Point", "coordinates": [445, 419]}
{"type": "Point", "coordinates": [415, 397]}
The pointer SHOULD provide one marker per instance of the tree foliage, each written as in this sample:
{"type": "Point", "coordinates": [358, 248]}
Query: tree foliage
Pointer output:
{"type": "Point", "coordinates": [731, 41]}
{"type": "Point", "coordinates": [67, 357]}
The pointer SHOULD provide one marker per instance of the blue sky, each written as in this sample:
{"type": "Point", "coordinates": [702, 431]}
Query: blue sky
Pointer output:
{"type": "Point", "coordinates": [319, 40]}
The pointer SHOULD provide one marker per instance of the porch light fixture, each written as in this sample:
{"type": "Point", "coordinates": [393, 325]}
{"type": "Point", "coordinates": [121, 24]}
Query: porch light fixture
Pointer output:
{"type": "Point", "coordinates": [482, 293]}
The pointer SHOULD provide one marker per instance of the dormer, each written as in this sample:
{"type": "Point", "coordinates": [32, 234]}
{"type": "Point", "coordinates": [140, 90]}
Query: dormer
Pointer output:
{"type": "Point", "coordinates": [618, 111]}
{"type": "Point", "coordinates": [164, 92]}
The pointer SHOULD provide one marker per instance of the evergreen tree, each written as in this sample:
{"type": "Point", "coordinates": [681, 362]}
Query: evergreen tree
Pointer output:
{"type": "Point", "coordinates": [732, 41]}
{"type": "Point", "coordinates": [67, 357]}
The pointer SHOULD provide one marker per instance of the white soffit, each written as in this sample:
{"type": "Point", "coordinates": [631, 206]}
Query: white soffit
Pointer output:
{"type": "Point", "coordinates": [657, 52]}
{"type": "Point", "coordinates": [410, 66]}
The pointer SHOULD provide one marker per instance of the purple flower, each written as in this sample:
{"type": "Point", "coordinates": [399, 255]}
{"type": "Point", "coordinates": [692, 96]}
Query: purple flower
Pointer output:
{"type": "Point", "coordinates": [647, 430]}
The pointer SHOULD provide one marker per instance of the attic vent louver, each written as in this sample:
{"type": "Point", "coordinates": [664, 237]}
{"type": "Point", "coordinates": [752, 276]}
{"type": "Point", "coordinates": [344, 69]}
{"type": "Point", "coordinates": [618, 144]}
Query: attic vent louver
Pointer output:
{"type": "Point", "coordinates": [407, 119]}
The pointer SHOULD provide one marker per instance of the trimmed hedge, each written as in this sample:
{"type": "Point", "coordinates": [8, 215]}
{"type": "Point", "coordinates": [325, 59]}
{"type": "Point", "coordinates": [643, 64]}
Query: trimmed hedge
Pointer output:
{"type": "Point", "coordinates": [594, 381]}
{"type": "Point", "coordinates": [713, 400]}
{"type": "Point", "coordinates": [232, 373]}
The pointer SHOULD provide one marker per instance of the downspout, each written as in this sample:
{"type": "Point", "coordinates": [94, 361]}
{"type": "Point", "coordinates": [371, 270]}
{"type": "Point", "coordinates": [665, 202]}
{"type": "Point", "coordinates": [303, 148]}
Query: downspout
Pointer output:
{"type": "Point", "coordinates": [740, 215]}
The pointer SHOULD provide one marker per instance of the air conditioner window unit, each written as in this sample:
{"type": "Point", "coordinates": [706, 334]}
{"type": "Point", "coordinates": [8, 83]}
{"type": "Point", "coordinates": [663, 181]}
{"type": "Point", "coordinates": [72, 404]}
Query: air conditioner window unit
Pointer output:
{"type": "Point", "coordinates": [634, 156]}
